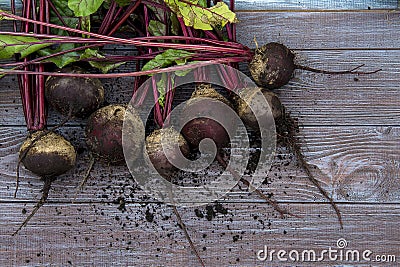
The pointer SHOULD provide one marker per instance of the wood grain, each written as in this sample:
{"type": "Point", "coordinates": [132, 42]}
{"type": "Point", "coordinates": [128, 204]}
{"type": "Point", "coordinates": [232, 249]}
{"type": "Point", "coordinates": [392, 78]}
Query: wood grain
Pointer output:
{"type": "Point", "coordinates": [321, 30]}
{"type": "Point", "coordinates": [354, 164]}
{"type": "Point", "coordinates": [92, 234]}
{"type": "Point", "coordinates": [308, 5]}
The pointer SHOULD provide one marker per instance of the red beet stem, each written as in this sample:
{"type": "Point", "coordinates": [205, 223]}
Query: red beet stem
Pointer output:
{"type": "Point", "coordinates": [157, 111]}
{"type": "Point", "coordinates": [129, 74]}
{"type": "Point", "coordinates": [233, 25]}
{"type": "Point", "coordinates": [137, 39]}
{"type": "Point", "coordinates": [37, 60]}
{"type": "Point", "coordinates": [125, 16]}
{"type": "Point", "coordinates": [107, 18]}
{"type": "Point", "coordinates": [133, 41]}
{"type": "Point", "coordinates": [58, 15]}
{"type": "Point", "coordinates": [25, 84]}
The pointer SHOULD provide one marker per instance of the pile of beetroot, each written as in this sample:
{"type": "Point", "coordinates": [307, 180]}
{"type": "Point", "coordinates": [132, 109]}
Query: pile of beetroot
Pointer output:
{"type": "Point", "coordinates": [59, 62]}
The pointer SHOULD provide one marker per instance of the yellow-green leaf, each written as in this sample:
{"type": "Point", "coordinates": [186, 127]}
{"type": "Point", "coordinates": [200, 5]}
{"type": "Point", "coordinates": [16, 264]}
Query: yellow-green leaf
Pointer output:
{"type": "Point", "coordinates": [199, 17]}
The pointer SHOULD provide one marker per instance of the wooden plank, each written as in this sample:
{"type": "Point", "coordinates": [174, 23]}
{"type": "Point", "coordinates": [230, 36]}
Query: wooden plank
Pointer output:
{"type": "Point", "coordinates": [353, 163]}
{"type": "Point", "coordinates": [315, 99]}
{"type": "Point", "coordinates": [291, 5]}
{"type": "Point", "coordinates": [316, 30]}
{"type": "Point", "coordinates": [314, 5]}
{"type": "Point", "coordinates": [93, 234]}
{"type": "Point", "coordinates": [321, 30]}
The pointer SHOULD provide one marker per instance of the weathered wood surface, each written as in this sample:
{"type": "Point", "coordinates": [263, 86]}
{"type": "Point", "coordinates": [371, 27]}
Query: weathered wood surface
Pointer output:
{"type": "Point", "coordinates": [100, 234]}
{"type": "Point", "coordinates": [342, 154]}
{"type": "Point", "coordinates": [308, 5]}
{"type": "Point", "coordinates": [351, 133]}
{"type": "Point", "coordinates": [322, 30]}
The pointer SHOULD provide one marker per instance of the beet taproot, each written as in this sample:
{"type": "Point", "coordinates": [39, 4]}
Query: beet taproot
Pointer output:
{"type": "Point", "coordinates": [202, 108]}
{"type": "Point", "coordinates": [74, 96]}
{"type": "Point", "coordinates": [250, 95]}
{"type": "Point", "coordinates": [272, 65]}
{"type": "Point", "coordinates": [51, 155]}
{"type": "Point", "coordinates": [162, 142]}
{"type": "Point", "coordinates": [104, 133]}
{"type": "Point", "coordinates": [48, 155]}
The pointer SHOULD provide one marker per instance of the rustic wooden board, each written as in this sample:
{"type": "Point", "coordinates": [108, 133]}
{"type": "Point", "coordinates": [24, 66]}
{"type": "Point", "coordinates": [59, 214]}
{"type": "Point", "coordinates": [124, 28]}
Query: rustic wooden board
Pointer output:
{"type": "Point", "coordinates": [315, 99]}
{"type": "Point", "coordinates": [270, 5]}
{"type": "Point", "coordinates": [354, 163]}
{"type": "Point", "coordinates": [98, 234]}
{"type": "Point", "coordinates": [321, 30]}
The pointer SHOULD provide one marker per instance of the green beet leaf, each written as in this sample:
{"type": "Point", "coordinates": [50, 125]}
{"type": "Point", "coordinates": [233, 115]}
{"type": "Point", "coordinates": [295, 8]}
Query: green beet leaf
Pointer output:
{"type": "Point", "coordinates": [157, 28]}
{"type": "Point", "coordinates": [83, 8]}
{"type": "Point", "coordinates": [62, 60]}
{"type": "Point", "coordinates": [123, 2]}
{"type": "Point", "coordinates": [23, 45]}
{"type": "Point", "coordinates": [168, 58]}
{"type": "Point", "coordinates": [103, 65]}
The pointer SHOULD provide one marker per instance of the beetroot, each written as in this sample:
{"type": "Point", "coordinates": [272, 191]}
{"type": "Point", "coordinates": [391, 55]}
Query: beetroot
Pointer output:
{"type": "Point", "coordinates": [48, 155]}
{"type": "Point", "coordinates": [51, 155]}
{"type": "Point", "coordinates": [250, 95]}
{"type": "Point", "coordinates": [162, 141]}
{"type": "Point", "coordinates": [202, 108]}
{"type": "Point", "coordinates": [74, 96]}
{"type": "Point", "coordinates": [104, 133]}
{"type": "Point", "coordinates": [272, 65]}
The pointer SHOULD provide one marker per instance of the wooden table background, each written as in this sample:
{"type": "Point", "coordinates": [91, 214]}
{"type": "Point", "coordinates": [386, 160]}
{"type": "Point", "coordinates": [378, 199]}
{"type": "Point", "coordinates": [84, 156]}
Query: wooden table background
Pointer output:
{"type": "Point", "coordinates": [351, 133]}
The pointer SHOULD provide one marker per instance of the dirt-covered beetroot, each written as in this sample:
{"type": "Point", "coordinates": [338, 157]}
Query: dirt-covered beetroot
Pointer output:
{"type": "Point", "coordinates": [48, 155]}
{"type": "Point", "coordinates": [251, 95]}
{"type": "Point", "coordinates": [162, 140]}
{"type": "Point", "coordinates": [104, 133]}
{"type": "Point", "coordinates": [51, 155]}
{"type": "Point", "coordinates": [272, 65]}
{"type": "Point", "coordinates": [199, 107]}
{"type": "Point", "coordinates": [75, 96]}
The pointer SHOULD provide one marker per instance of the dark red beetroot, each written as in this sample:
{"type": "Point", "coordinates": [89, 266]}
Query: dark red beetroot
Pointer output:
{"type": "Point", "coordinates": [200, 107]}
{"type": "Point", "coordinates": [272, 65]}
{"type": "Point", "coordinates": [162, 140]}
{"type": "Point", "coordinates": [74, 96]}
{"type": "Point", "coordinates": [48, 155]}
{"type": "Point", "coordinates": [51, 155]}
{"type": "Point", "coordinates": [198, 129]}
{"type": "Point", "coordinates": [250, 95]}
{"type": "Point", "coordinates": [104, 133]}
